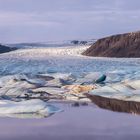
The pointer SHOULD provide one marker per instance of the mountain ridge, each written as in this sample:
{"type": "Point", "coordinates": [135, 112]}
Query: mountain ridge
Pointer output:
{"type": "Point", "coordinates": [120, 45]}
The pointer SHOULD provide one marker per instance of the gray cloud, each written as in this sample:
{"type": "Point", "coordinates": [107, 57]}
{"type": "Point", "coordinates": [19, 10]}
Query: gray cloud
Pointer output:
{"type": "Point", "coordinates": [42, 20]}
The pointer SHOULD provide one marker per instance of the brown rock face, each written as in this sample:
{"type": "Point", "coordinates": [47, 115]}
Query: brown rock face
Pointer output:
{"type": "Point", "coordinates": [122, 45]}
{"type": "Point", "coordinates": [116, 104]}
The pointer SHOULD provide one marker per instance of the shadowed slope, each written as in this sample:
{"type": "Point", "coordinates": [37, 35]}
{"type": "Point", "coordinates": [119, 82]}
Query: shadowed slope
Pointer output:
{"type": "Point", "coordinates": [4, 49]}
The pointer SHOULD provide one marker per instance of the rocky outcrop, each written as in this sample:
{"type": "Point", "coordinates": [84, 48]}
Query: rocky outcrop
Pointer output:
{"type": "Point", "coordinates": [122, 45]}
{"type": "Point", "coordinates": [4, 49]}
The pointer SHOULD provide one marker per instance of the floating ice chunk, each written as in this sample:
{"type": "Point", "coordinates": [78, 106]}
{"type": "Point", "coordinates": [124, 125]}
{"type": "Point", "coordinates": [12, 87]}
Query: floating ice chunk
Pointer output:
{"type": "Point", "coordinates": [136, 92]}
{"type": "Point", "coordinates": [50, 109]}
{"type": "Point", "coordinates": [31, 80]}
{"type": "Point", "coordinates": [67, 77]}
{"type": "Point", "coordinates": [51, 70]}
{"type": "Point", "coordinates": [16, 88]}
{"type": "Point", "coordinates": [122, 89]}
{"type": "Point", "coordinates": [21, 84]}
{"type": "Point", "coordinates": [46, 77]}
{"type": "Point", "coordinates": [120, 96]}
{"type": "Point", "coordinates": [133, 83]}
{"type": "Point", "coordinates": [89, 78]}
{"type": "Point", "coordinates": [135, 98]}
{"type": "Point", "coordinates": [50, 90]}
{"type": "Point", "coordinates": [116, 76]}
{"type": "Point", "coordinates": [14, 92]}
{"type": "Point", "coordinates": [105, 91]}
{"type": "Point", "coordinates": [25, 115]}
{"type": "Point", "coordinates": [11, 79]}
{"type": "Point", "coordinates": [72, 98]}
{"type": "Point", "coordinates": [79, 88]}
{"type": "Point", "coordinates": [20, 77]}
{"type": "Point", "coordinates": [37, 82]}
{"type": "Point", "coordinates": [118, 91]}
{"type": "Point", "coordinates": [27, 107]}
{"type": "Point", "coordinates": [93, 75]}
{"type": "Point", "coordinates": [21, 81]}
{"type": "Point", "coordinates": [55, 83]}
{"type": "Point", "coordinates": [64, 76]}
{"type": "Point", "coordinates": [6, 80]}
{"type": "Point", "coordinates": [118, 72]}
{"type": "Point", "coordinates": [113, 78]}
{"type": "Point", "coordinates": [101, 79]}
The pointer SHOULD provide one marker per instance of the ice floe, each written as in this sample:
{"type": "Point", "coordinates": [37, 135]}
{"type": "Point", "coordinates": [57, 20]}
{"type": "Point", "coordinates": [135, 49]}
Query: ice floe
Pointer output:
{"type": "Point", "coordinates": [50, 90]}
{"type": "Point", "coordinates": [27, 107]}
{"type": "Point", "coordinates": [133, 83]}
{"type": "Point", "coordinates": [128, 91]}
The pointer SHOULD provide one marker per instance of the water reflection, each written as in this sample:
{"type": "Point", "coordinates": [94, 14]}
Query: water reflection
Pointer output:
{"type": "Point", "coordinates": [26, 115]}
{"type": "Point", "coordinates": [116, 104]}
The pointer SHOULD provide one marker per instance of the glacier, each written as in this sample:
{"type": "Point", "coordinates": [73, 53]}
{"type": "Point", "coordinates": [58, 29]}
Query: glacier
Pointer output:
{"type": "Point", "coordinates": [63, 60]}
{"type": "Point", "coordinates": [32, 76]}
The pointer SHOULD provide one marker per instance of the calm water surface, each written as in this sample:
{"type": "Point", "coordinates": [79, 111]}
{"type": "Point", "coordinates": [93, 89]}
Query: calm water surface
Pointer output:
{"type": "Point", "coordinates": [75, 123]}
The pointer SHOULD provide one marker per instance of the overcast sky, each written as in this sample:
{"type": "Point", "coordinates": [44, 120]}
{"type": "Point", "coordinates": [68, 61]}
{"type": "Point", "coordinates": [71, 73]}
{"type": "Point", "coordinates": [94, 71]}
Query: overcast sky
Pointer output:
{"type": "Point", "coordinates": [45, 20]}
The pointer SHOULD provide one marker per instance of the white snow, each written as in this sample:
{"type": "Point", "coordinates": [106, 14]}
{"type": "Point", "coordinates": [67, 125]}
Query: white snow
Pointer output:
{"type": "Point", "coordinates": [43, 52]}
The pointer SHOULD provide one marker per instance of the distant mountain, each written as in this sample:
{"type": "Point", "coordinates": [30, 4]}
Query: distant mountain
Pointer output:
{"type": "Point", "coordinates": [82, 42]}
{"type": "Point", "coordinates": [53, 44]}
{"type": "Point", "coordinates": [4, 49]}
{"type": "Point", "coordinates": [122, 45]}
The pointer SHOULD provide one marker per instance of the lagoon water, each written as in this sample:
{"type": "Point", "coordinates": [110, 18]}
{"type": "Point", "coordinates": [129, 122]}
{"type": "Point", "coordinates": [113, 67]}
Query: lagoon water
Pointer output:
{"type": "Point", "coordinates": [83, 123]}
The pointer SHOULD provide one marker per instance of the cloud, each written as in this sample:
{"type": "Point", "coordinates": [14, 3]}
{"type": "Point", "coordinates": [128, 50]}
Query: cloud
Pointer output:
{"type": "Point", "coordinates": [42, 20]}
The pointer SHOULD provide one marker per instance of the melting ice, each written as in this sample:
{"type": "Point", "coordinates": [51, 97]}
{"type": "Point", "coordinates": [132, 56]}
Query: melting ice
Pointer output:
{"type": "Point", "coordinates": [40, 74]}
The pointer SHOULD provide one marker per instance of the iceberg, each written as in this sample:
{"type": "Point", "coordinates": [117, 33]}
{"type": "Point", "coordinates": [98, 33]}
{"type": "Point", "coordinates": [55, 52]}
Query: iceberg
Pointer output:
{"type": "Point", "coordinates": [135, 84]}
{"type": "Point", "coordinates": [89, 78]}
{"type": "Point", "coordinates": [50, 90]}
{"type": "Point", "coordinates": [117, 91]}
{"type": "Point", "coordinates": [24, 108]}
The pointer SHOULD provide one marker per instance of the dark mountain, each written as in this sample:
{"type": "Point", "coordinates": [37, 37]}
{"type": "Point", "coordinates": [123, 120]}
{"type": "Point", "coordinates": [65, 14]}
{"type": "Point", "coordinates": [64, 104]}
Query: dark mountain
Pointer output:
{"type": "Point", "coordinates": [4, 49]}
{"type": "Point", "coordinates": [122, 45]}
{"type": "Point", "coordinates": [64, 43]}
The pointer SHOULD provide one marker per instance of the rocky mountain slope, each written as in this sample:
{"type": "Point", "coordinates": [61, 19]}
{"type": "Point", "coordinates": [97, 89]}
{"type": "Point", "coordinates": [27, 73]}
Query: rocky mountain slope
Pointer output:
{"type": "Point", "coordinates": [122, 45]}
{"type": "Point", "coordinates": [4, 49]}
